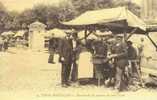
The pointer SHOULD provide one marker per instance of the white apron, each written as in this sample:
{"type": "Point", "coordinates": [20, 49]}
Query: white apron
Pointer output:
{"type": "Point", "coordinates": [85, 65]}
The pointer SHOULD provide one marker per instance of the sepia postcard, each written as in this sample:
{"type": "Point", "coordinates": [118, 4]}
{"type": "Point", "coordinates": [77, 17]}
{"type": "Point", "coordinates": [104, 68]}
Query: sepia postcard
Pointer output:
{"type": "Point", "coordinates": [78, 49]}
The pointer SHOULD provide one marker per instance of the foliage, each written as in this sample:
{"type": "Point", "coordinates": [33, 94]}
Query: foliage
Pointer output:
{"type": "Point", "coordinates": [51, 15]}
{"type": "Point", "coordinates": [84, 5]}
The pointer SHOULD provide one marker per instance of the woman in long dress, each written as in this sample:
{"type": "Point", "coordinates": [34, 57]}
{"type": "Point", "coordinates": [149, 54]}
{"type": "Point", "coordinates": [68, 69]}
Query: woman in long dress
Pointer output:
{"type": "Point", "coordinates": [85, 65]}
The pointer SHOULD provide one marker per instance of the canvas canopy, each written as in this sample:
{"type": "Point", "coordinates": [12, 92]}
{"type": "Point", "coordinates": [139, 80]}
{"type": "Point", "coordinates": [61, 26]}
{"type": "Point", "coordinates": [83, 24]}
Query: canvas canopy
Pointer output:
{"type": "Point", "coordinates": [108, 16]}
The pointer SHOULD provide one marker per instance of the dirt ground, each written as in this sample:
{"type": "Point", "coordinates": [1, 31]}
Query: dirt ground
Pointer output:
{"type": "Point", "coordinates": [25, 75]}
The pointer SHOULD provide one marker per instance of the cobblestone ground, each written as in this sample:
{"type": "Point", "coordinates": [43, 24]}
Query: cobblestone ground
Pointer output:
{"type": "Point", "coordinates": [26, 74]}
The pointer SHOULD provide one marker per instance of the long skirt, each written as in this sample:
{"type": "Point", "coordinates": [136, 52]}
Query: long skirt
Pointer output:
{"type": "Point", "coordinates": [85, 65]}
{"type": "Point", "coordinates": [99, 71]}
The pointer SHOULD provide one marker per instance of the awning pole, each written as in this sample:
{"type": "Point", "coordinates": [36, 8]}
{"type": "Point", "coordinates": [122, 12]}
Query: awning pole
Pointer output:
{"type": "Point", "coordinates": [125, 31]}
{"type": "Point", "coordinates": [131, 33]}
{"type": "Point", "coordinates": [86, 29]}
{"type": "Point", "coordinates": [125, 35]}
{"type": "Point", "coordinates": [152, 41]}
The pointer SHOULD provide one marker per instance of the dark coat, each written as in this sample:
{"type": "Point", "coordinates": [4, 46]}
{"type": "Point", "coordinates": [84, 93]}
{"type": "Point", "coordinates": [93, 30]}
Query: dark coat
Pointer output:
{"type": "Point", "coordinates": [65, 50]}
{"type": "Point", "coordinates": [100, 52]}
{"type": "Point", "coordinates": [132, 53]}
{"type": "Point", "coordinates": [100, 48]}
{"type": "Point", "coordinates": [121, 50]}
{"type": "Point", "coordinates": [52, 43]}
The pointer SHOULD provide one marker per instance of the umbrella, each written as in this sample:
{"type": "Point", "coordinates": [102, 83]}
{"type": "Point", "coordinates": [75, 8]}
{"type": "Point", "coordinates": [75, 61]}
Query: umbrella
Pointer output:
{"type": "Point", "coordinates": [19, 33]}
{"type": "Point", "coordinates": [92, 37]}
{"type": "Point", "coordinates": [7, 33]}
{"type": "Point", "coordinates": [48, 34]}
{"type": "Point", "coordinates": [106, 33]}
{"type": "Point", "coordinates": [95, 35]}
{"type": "Point", "coordinates": [81, 35]}
{"type": "Point", "coordinates": [57, 33]}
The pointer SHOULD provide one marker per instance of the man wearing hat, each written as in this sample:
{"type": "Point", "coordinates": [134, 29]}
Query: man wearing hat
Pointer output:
{"type": "Point", "coordinates": [65, 58]}
{"type": "Point", "coordinates": [75, 56]}
{"type": "Point", "coordinates": [135, 76]}
{"type": "Point", "coordinates": [52, 47]}
{"type": "Point", "coordinates": [1, 43]}
{"type": "Point", "coordinates": [141, 52]}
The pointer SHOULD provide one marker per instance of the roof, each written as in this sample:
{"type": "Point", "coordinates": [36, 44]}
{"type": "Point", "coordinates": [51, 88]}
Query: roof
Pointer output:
{"type": "Point", "coordinates": [152, 28]}
{"type": "Point", "coordinates": [37, 23]}
{"type": "Point", "coordinates": [107, 16]}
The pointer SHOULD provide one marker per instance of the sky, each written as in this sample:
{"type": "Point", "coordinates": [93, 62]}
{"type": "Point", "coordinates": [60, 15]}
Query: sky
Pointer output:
{"type": "Point", "coordinates": [20, 5]}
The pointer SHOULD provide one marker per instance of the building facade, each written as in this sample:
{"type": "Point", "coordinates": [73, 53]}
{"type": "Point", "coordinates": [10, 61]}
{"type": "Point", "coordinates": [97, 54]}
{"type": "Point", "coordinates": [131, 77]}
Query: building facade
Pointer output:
{"type": "Point", "coordinates": [149, 10]}
{"type": "Point", "coordinates": [36, 36]}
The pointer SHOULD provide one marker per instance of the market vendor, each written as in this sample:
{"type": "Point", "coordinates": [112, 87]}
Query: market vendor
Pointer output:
{"type": "Point", "coordinates": [100, 53]}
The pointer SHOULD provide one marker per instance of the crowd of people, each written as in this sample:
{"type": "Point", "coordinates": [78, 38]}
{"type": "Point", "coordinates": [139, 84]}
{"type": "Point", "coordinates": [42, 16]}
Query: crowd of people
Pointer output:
{"type": "Point", "coordinates": [116, 63]}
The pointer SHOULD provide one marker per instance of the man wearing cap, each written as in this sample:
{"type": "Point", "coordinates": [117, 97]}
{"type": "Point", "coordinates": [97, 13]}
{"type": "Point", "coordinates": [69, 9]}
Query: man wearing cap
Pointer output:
{"type": "Point", "coordinates": [119, 52]}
